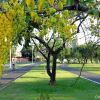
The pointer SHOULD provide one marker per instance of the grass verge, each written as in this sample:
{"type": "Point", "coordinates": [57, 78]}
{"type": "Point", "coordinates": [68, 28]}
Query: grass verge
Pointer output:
{"type": "Point", "coordinates": [94, 68]}
{"type": "Point", "coordinates": [35, 83]}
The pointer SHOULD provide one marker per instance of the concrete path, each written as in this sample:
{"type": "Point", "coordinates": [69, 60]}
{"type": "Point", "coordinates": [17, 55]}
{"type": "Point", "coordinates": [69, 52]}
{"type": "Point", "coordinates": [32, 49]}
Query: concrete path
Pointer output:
{"type": "Point", "coordinates": [10, 75]}
{"type": "Point", "coordinates": [86, 75]}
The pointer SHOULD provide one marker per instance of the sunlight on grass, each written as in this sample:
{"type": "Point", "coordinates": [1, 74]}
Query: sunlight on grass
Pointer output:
{"type": "Point", "coordinates": [96, 72]}
{"type": "Point", "coordinates": [34, 83]}
{"type": "Point", "coordinates": [94, 68]}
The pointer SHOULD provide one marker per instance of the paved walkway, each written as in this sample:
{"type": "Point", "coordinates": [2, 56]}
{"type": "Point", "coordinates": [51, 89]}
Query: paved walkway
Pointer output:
{"type": "Point", "coordinates": [10, 75]}
{"type": "Point", "coordinates": [86, 75]}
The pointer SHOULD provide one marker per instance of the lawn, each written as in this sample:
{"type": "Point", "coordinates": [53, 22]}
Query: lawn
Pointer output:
{"type": "Point", "coordinates": [95, 68]}
{"type": "Point", "coordinates": [34, 85]}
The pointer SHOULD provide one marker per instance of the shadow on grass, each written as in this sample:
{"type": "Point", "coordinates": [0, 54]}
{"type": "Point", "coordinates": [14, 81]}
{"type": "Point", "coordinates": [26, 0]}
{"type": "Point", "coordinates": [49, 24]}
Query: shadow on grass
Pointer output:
{"type": "Point", "coordinates": [33, 77]}
{"type": "Point", "coordinates": [33, 90]}
{"type": "Point", "coordinates": [35, 83]}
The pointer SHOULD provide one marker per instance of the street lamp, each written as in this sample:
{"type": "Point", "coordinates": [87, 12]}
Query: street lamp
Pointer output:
{"type": "Point", "coordinates": [10, 58]}
{"type": "Point", "coordinates": [10, 52]}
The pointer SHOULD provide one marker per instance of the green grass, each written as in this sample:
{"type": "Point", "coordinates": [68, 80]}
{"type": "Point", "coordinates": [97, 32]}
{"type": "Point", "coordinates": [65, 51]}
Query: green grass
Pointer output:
{"type": "Point", "coordinates": [94, 68]}
{"type": "Point", "coordinates": [35, 83]}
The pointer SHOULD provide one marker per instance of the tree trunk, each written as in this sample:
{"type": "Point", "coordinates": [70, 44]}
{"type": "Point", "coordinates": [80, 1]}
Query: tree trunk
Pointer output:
{"type": "Point", "coordinates": [53, 77]}
{"type": "Point", "coordinates": [79, 61]}
{"type": "Point", "coordinates": [48, 68]}
{"type": "Point", "coordinates": [86, 59]}
{"type": "Point", "coordinates": [91, 60]}
{"type": "Point", "coordinates": [99, 60]}
{"type": "Point", "coordinates": [68, 60]}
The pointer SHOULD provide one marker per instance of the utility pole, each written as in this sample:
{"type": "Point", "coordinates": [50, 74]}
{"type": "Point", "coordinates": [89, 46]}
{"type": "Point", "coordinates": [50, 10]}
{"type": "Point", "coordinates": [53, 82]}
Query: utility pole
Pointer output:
{"type": "Point", "coordinates": [10, 59]}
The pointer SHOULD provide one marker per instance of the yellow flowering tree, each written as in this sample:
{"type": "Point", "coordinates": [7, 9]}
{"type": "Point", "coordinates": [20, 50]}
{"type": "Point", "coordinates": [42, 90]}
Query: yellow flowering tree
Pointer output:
{"type": "Point", "coordinates": [54, 42]}
{"type": "Point", "coordinates": [6, 30]}
{"type": "Point", "coordinates": [60, 22]}
{"type": "Point", "coordinates": [11, 22]}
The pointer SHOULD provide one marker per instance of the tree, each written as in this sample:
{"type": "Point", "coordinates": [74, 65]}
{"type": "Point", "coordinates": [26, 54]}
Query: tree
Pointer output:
{"type": "Point", "coordinates": [43, 15]}
{"type": "Point", "coordinates": [27, 52]}
{"type": "Point", "coordinates": [97, 54]}
{"type": "Point", "coordinates": [6, 31]}
{"type": "Point", "coordinates": [92, 36]}
{"type": "Point", "coordinates": [9, 27]}
{"type": "Point", "coordinates": [62, 33]}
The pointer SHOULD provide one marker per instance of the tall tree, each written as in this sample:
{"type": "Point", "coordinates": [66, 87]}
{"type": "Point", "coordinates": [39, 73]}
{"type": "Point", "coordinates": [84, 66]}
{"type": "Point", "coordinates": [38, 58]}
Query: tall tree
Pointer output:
{"type": "Point", "coordinates": [25, 15]}
{"type": "Point", "coordinates": [11, 14]}
{"type": "Point", "coordinates": [54, 42]}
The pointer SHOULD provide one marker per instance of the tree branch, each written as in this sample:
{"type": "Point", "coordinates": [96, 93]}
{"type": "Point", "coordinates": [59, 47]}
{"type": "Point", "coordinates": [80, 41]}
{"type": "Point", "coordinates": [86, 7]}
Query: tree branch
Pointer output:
{"type": "Point", "coordinates": [53, 44]}
{"type": "Point", "coordinates": [81, 21]}
{"type": "Point", "coordinates": [43, 42]}
{"type": "Point", "coordinates": [39, 50]}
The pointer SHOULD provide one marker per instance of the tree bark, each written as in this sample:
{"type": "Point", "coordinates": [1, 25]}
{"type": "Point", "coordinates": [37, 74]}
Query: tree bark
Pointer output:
{"type": "Point", "coordinates": [91, 60]}
{"type": "Point", "coordinates": [53, 77]}
{"type": "Point", "coordinates": [86, 60]}
{"type": "Point", "coordinates": [48, 67]}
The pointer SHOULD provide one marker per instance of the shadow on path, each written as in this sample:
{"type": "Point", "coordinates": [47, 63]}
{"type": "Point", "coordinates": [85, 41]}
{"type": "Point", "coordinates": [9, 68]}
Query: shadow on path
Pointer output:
{"type": "Point", "coordinates": [11, 75]}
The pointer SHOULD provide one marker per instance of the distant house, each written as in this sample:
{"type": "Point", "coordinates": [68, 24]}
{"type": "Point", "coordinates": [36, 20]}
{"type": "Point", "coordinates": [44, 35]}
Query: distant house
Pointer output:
{"type": "Point", "coordinates": [21, 59]}
{"type": "Point", "coordinates": [18, 58]}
